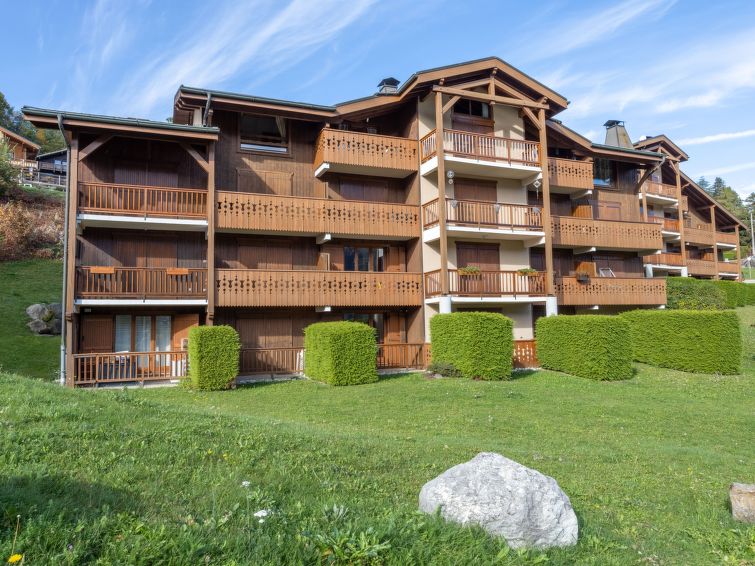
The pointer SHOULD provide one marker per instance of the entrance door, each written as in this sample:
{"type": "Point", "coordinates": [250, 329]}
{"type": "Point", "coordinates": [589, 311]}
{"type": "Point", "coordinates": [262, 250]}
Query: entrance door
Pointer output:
{"type": "Point", "coordinates": [487, 258]}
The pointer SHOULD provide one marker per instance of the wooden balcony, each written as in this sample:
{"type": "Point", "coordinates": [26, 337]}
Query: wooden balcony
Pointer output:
{"type": "Point", "coordinates": [677, 260]}
{"type": "Point", "coordinates": [610, 291]}
{"type": "Point", "coordinates": [660, 189]}
{"type": "Point", "coordinates": [666, 224]}
{"type": "Point", "coordinates": [700, 235]}
{"type": "Point", "coordinates": [140, 283]}
{"type": "Point", "coordinates": [487, 284]}
{"type": "Point", "coordinates": [300, 215]}
{"type": "Point", "coordinates": [23, 163]}
{"type": "Point", "coordinates": [137, 200]}
{"type": "Point", "coordinates": [727, 238]}
{"type": "Point", "coordinates": [484, 215]}
{"type": "Point", "coordinates": [701, 267]}
{"type": "Point", "coordinates": [729, 267]}
{"type": "Point", "coordinates": [302, 288]}
{"type": "Point", "coordinates": [484, 147]}
{"type": "Point", "coordinates": [570, 174]}
{"type": "Point", "coordinates": [570, 231]}
{"type": "Point", "coordinates": [339, 151]}
{"type": "Point", "coordinates": [97, 369]}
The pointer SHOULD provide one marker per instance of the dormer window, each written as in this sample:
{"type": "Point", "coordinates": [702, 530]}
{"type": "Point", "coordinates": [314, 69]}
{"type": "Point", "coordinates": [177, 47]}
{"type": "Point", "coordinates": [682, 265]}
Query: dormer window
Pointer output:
{"type": "Point", "coordinates": [263, 133]}
{"type": "Point", "coordinates": [472, 108]}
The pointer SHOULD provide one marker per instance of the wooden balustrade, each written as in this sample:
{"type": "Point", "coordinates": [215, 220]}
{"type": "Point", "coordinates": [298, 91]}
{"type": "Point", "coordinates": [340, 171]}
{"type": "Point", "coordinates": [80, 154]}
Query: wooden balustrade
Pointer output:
{"type": "Point", "coordinates": [272, 213]}
{"type": "Point", "coordinates": [486, 283]}
{"type": "Point", "coordinates": [727, 238]}
{"type": "Point", "coordinates": [483, 146]}
{"type": "Point", "coordinates": [271, 360]}
{"type": "Point", "coordinates": [485, 214]}
{"type": "Point", "coordinates": [609, 234]}
{"type": "Point", "coordinates": [23, 163]}
{"type": "Point", "coordinates": [302, 288]}
{"type": "Point", "coordinates": [611, 291]}
{"type": "Point", "coordinates": [109, 198]}
{"type": "Point", "coordinates": [94, 369]}
{"type": "Point", "coordinates": [140, 282]}
{"type": "Point", "coordinates": [701, 235]}
{"type": "Point", "coordinates": [728, 267]}
{"type": "Point", "coordinates": [674, 259]}
{"type": "Point", "coordinates": [525, 354]}
{"type": "Point", "coordinates": [703, 267]}
{"type": "Point", "coordinates": [667, 224]}
{"type": "Point", "coordinates": [660, 189]}
{"type": "Point", "coordinates": [400, 356]}
{"type": "Point", "coordinates": [372, 151]}
{"type": "Point", "coordinates": [570, 173]}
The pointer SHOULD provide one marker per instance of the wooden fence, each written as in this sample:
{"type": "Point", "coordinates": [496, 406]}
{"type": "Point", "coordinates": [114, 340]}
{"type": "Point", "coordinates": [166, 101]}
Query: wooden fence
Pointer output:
{"type": "Point", "coordinates": [113, 198]}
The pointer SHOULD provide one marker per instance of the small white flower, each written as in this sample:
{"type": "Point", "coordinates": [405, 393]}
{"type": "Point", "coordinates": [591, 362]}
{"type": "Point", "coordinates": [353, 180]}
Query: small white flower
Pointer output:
{"type": "Point", "coordinates": [246, 483]}
{"type": "Point", "coordinates": [262, 520]}
{"type": "Point", "coordinates": [262, 513]}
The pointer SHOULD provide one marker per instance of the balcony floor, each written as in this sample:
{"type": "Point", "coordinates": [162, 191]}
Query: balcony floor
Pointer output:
{"type": "Point", "coordinates": [529, 237]}
{"type": "Point", "coordinates": [483, 168]}
{"type": "Point", "coordinates": [89, 220]}
{"type": "Point", "coordinates": [502, 300]}
{"type": "Point", "coordinates": [373, 171]}
{"type": "Point", "coordinates": [89, 302]}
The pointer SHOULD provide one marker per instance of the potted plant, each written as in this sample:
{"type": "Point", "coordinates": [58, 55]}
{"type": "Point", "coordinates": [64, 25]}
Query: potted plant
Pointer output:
{"type": "Point", "coordinates": [468, 270]}
{"type": "Point", "coordinates": [528, 272]}
{"type": "Point", "coordinates": [583, 277]}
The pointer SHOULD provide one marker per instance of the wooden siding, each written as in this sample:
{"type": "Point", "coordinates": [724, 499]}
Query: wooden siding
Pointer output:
{"type": "Point", "coordinates": [486, 283]}
{"type": "Point", "coordinates": [370, 151]}
{"type": "Point", "coordinates": [570, 173]}
{"type": "Point", "coordinates": [700, 236]}
{"type": "Point", "coordinates": [132, 248]}
{"type": "Point", "coordinates": [727, 238]}
{"type": "Point", "coordinates": [702, 267]}
{"type": "Point", "coordinates": [728, 267]}
{"type": "Point", "coordinates": [261, 288]}
{"type": "Point", "coordinates": [483, 146]}
{"type": "Point", "coordinates": [489, 214]}
{"type": "Point", "coordinates": [660, 189]}
{"type": "Point", "coordinates": [109, 198]}
{"type": "Point", "coordinates": [611, 291]}
{"type": "Point", "coordinates": [270, 213]}
{"type": "Point", "coordinates": [665, 259]}
{"type": "Point", "coordinates": [96, 369]}
{"type": "Point", "coordinates": [578, 232]}
{"type": "Point", "coordinates": [139, 282]}
{"type": "Point", "coordinates": [666, 224]}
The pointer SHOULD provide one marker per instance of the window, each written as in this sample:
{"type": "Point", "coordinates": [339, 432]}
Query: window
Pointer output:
{"type": "Point", "coordinates": [472, 108]}
{"type": "Point", "coordinates": [263, 133]}
{"type": "Point", "coordinates": [363, 259]}
{"type": "Point", "coordinates": [604, 173]}
{"type": "Point", "coordinates": [123, 333]}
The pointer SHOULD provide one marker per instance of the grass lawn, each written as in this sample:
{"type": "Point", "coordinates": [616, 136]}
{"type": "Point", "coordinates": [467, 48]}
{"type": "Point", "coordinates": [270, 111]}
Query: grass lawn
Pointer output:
{"type": "Point", "coordinates": [21, 284]}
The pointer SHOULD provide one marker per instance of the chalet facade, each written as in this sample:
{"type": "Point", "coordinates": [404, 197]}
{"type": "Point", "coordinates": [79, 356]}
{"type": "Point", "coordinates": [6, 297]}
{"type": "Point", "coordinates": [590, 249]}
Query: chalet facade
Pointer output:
{"type": "Point", "coordinates": [457, 190]}
{"type": "Point", "coordinates": [22, 152]}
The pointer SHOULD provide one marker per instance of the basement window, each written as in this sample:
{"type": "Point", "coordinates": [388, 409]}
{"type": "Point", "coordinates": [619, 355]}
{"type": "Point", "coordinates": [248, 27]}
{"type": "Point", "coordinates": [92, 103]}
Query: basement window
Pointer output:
{"type": "Point", "coordinates": [263, 133]}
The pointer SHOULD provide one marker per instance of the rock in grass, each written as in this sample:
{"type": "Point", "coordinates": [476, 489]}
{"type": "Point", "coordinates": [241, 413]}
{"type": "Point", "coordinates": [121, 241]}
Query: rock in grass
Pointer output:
{"type": "Point", "coordinates": [506, 499]}
{"type": "Point", "coordinates": [742, 496]}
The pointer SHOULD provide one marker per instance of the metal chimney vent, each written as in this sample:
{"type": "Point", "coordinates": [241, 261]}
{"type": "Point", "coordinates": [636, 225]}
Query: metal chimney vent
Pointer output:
{"type": "Point", "coordinates": [388, 85]}
{"type": "Point", "coordinates": [616, 134]}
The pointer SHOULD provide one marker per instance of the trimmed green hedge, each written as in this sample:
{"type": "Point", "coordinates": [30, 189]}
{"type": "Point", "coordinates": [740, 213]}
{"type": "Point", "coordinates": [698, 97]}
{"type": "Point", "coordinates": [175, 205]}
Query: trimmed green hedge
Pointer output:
{"type": "Point", "coordinates": [478, 344]}
{"type": "Point", "coordinates": [340, 353]}
{"type": "Point", "coordinates": [750, 292]}
{"type": "Point", "coordinates": [731, 292]}
{"type": "Point", "coordinates": [213, 357]}
{"type": "Point", "coordinates": [694, 341]}
{"type": "Point", "coordinates": [694, 294]}
{"type": "Point", "coordinates": [592, 346]}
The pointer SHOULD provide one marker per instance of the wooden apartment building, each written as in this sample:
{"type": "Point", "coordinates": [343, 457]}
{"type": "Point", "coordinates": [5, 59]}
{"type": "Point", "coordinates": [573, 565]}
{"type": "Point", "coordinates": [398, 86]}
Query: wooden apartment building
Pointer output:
{"type": "Point", "coordinates": [457, 190]}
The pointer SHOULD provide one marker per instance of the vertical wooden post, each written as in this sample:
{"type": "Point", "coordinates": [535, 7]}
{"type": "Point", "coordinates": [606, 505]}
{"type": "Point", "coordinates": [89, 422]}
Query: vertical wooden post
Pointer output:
{"type": "Point", "coordinates": [211, 206]}
{"type": "Point", "coordinates": [547, 228]}
{"type": "Point", "coordinates": [739, 255]}
{"type": "Point", "coordinates": [680, 213]}
{"type": "Point", "coordinates": [643, 192]}
{"type": "Point", "coordinates": [440, 154]}
{"type": "Point", "coordinates": [70, 267]}
{"type": "Point", "coordinates": [715, 239]}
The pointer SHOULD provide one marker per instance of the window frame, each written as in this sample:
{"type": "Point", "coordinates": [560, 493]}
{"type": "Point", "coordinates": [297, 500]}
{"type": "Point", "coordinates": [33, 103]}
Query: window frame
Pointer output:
{"type": "Point", "coordinates": [259, 149]}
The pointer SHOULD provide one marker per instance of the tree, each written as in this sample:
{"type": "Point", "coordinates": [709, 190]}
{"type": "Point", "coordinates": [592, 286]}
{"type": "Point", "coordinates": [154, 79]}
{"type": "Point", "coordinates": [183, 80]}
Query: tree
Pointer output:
{"type": "Point", "coordinates": [12, 119]}
{"type": "Point", "coordinates": [704, 184]}
{"type": "Point", "coordinates": [8, 173]}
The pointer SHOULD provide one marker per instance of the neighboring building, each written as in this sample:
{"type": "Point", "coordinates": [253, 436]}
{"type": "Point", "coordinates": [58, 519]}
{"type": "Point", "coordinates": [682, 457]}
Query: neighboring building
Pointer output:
{"type": "Point", "coordinates": [457, 190]}
{"type": "Point", "coordinates": [52, 168]}
{"type": "Point", "coordinates": [23, 152]}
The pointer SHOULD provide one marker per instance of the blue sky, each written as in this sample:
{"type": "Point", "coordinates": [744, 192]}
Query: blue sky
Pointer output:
{"type": "Point", "coordinates": [685, 68]}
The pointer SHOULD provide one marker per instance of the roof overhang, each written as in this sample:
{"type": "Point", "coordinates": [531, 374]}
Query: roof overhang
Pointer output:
{"type": "Point", "coordinates": [19, 138]}
{"type": "Point", "coordinates": [698, 194]}
{"type": "Point", "coordinates": [601, 150]}
{"type": "Point", "coordinates": [662, 144]}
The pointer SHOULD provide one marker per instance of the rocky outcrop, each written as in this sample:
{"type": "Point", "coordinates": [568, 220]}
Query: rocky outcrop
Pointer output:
{"type": "Point", "coordinates": [45, 318]}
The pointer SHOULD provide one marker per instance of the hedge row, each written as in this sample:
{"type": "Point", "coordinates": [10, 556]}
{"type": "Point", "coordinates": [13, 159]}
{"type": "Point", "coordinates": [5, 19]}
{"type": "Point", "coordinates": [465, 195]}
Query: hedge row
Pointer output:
{"type": "Point", "coordinates": [736, 294]}
{"type": "Point", "coordinates": [687, 293]}
{"type": "Point", "coordinates": [591, 346]}
{"type": "Point", "coordinates": [213, 357]}
{"type": "Point", "coordinates": [694, 341]}
{"type": "Point", "coordinates": [478, 344]}
{"type": "Point", "coordinates": [340, 353]}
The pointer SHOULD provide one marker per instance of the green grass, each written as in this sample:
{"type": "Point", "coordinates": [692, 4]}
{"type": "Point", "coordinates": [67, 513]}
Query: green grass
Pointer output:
{"type": "Point", "coordinates": [748, 272]}
{"type": "Point", "coordinates": [21, 284]}
{"type": "Point", "coordinates": [155, 475]}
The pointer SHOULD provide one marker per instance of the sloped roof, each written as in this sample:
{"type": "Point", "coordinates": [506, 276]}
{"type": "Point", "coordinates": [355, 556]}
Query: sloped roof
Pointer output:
{"type": "Point", "coordinates": [19, 138]}
{"type": "Point", "coordinates": [664, 142]}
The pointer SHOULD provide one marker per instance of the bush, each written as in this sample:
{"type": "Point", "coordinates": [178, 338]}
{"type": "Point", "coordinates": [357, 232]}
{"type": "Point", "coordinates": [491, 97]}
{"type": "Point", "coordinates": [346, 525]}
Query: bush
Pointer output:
{"type": "Point", "coordinates": [444, 369]}
{"type": "Point", "coordinates": [730, 290]}
{"type": "Point", "coordinates": [340, 353]}
{"type": "Point", "coordinates": [591, 346]}
{"type": "Point", "coordinates": [213, 357]}
{"type": "Point", "coordinates": [750, 291]}
{"type": "Point", "coordinates": [693, 294]}
{"type": "Point", "coordinates": [478, 344]}
{"type": "Point", "coordinates": [695, 341]}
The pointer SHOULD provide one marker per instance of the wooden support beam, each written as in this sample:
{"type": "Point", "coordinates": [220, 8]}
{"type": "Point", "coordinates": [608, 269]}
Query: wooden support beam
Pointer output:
{"type": "Point", "coordinates": [531, 115]}
{"type": "Point", "coordinates": [509, 90]}
{"type": "Point", "coordinates": [739, 254]}
{"type": "Point", "coordinates": [70, 267]}
{"type": "Point", "coordinates": [680, 212]}
{"type": "Point", "coordinates": [94, 146]}
{"type": "Point", "coordinates": [201, 161]}
{"type": "Point", "coordinates": [440, 154]}
{"type": "Point", "coordinates": [487, 98]}
{"type": "Point", "coordinates": [473, 84]}
{"type": "Point", "coordinates": [547, 228]}
{"type": "Point", "coordinates": [715, 243]}
{"type": "Point", "coordinates": [448, 105]}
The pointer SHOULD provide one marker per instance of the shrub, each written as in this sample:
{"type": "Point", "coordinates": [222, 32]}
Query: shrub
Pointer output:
{"type": "Point", "coordinates": [750, 291]}
{"type": "Point", "coordinates": [742, 296]}
{"type": "Point", "coordinates": [444, 369]}
{"type": "Point", "coordinates": [213, 357]}
{"type": "Point", "coordinates": [478, 344]}
{"type": "Point", "coordinates": [340, 353]}
{"type": "Point", "coordinates": [694, 341]}
{"type": "Point", "coordinates": [591, 346]}
{"type": "Point", "coordinates": [693, 294]}
{"type": "Point", "coordinates": [730, 290]}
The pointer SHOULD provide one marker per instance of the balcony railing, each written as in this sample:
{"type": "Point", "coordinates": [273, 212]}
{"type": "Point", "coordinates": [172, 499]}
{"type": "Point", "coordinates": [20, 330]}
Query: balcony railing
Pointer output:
{"type": "Point", "coordinates": [369, 151]}
{"type": "Point", "coordinates": [608, 234]}
{"type": "Point", "coordinates": [660, 189]}
{"type": "Point", "coordinates": [699, 235]}
{"type": "Point", "coordinates": [94, 369]}
{"type": "Point", "coordinates": [483, 146]}
{"type": "Point", "coordinates": [272, 213]}
{"type": "Point", "coordinates": [701, 267]}
{"type": "Point", "coordinates": [728, 267]}
{"type": "Point", "coordinates": [137, 200]}
{"type": "Point", "coordinates": [140, 282]}
{"type": "Point", "coordinates": [570, 173]}
{"type": "Point", "coordinates": [486, 283]}
{"type": "Point", "coordinates": [610, 291]}
{"type": "Point", "coordinates": [727, 238]}
{"type": "Point", "coordinates": [667, 224]}
{"type": "Point", "coordinates": [485, 214]}
{"type": "Point", "coordinates": [23, 163]}
{"type": "Point", "coordinates": [302, 288]}
{"type": "Point", "coordinates": [665, 259]}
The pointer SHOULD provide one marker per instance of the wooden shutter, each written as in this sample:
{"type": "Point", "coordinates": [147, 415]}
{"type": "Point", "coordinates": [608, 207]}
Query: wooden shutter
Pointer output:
{"type": "Point", "coordinates": [96, 333]}
{"type": "Point", "coordinates": [484, 256]}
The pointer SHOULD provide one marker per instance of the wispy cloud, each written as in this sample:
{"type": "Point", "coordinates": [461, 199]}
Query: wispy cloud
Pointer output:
{"type": "Point", "coordinates": [729, 169]}
{"type": "Point", "coordinates": [713, 138]}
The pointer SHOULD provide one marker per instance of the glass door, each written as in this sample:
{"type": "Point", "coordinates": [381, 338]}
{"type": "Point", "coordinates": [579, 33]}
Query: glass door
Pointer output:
{"type": "Point", "coordinates": [143, 340]}
{"type": "Point", "coordinates": [162, 340]}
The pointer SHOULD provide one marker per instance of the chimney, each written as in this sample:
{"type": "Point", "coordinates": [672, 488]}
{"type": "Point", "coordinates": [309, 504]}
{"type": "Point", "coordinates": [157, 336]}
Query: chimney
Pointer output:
{"type": "Point", "coordinates": [388, 85]}
{"type": "Point", "coordinates": [616, 134]}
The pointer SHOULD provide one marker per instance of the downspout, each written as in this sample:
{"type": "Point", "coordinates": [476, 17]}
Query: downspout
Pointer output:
{"type": "Point", "coordinates": [65, 257]}
{"type": "Point", "coordinates": [207, 109]}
